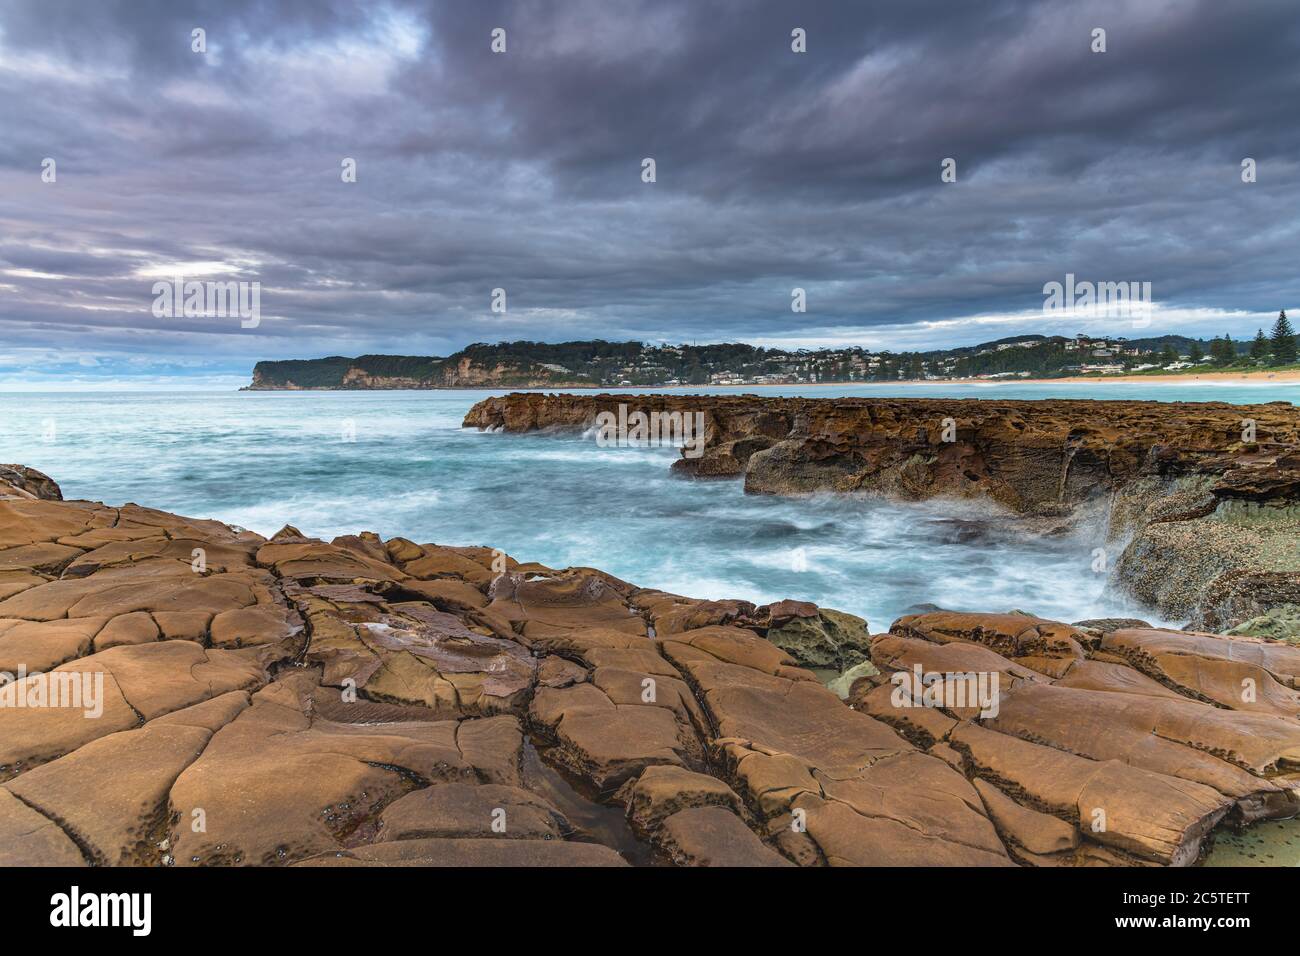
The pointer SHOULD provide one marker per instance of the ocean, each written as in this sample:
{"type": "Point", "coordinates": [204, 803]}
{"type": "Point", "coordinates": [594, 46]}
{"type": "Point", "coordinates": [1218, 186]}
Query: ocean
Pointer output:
{"type": "Point", "coordinates": [398, 463]}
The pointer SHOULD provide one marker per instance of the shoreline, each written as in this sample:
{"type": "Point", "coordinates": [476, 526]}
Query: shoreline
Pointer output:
{"type": "Point", "coordinates": [1281, 377]}
{"type": "Point", "coordinates": [1261, 377]}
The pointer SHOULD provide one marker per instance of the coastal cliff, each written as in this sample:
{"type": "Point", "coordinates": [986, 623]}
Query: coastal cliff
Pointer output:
{"type": "Point", "coordinates": [1199, 501]}
{"type": "Point", "coordinates": [364, 702]}
{"type": "Point", "coordinates": [479, 366]}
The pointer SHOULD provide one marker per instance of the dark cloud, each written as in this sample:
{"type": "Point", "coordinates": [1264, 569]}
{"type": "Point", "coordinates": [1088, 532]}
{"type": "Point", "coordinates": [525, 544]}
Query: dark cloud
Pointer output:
{"type": "Point", "coordinates": [522, 170]}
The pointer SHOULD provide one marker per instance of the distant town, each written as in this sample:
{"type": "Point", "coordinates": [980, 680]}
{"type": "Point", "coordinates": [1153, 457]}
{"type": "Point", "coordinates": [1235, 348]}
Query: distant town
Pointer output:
{"type": "Point", "coordinates": [600, 364]}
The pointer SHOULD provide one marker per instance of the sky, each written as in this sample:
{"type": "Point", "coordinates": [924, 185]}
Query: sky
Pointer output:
{"type": "Point", "coordinates": [524, 171]}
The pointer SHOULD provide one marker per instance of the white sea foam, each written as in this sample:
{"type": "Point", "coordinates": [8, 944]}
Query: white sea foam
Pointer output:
{"type": "Point", "coordinates": [250, 459]}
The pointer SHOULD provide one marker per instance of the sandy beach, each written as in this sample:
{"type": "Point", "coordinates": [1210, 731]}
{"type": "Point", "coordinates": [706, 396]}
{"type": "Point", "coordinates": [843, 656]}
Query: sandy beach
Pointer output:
{"type": "Point", "coordinates": [1261, 377]}
{"type": "Point", "coordinates": [1237, 377]}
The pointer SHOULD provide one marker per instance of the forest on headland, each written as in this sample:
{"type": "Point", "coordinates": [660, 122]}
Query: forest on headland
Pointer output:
{"type": "Point", "coordinates": [598, 363]}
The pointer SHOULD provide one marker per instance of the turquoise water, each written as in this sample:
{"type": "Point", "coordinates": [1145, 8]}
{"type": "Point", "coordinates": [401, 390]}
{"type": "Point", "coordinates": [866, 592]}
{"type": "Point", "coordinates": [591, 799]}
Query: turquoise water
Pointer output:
{"type": "Point", "coordinates": [263, 459]}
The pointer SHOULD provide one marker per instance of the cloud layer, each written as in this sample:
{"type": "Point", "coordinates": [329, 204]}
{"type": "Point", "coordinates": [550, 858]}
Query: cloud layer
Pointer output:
{"type": "Point", "coordinates": [522, 171]}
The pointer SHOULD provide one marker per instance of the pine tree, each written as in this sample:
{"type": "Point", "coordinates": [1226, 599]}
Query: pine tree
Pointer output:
{"type": "Point", "coordinates": [1229, 350]}
{"type": "Point", "coordinates": [1283, 344]}
{"type": "Point", "coordinates": [1194, 354]}
{"type": "Point", "coordinates": [1259, 347]}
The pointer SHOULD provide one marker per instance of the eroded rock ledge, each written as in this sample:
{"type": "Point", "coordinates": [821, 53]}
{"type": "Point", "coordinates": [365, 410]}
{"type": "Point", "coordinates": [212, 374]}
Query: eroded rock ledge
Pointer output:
{"type": "Point", "coordinates": [365, 702]}
{"type": "Point", "coordinates": [1203, 499]}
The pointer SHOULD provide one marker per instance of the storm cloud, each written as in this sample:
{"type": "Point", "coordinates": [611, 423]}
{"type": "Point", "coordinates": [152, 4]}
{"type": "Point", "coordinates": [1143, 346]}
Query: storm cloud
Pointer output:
{"type": "Point", "coordinates": [522, 171]}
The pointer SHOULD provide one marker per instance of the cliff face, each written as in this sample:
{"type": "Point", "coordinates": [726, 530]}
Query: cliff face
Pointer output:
{"type": "Point", "coordinates": [398, 372]}
{"type": "Point", "coordinates": [369, 702]}
{"type": "Point", "coordinates": [1203, 499]}
{"type": "Point", "coordinates": [1026, 455]}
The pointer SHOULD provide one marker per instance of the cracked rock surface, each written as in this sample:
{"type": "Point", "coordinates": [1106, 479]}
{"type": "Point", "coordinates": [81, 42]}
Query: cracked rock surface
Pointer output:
{"type": "Point", "coordinates": [188, 693]}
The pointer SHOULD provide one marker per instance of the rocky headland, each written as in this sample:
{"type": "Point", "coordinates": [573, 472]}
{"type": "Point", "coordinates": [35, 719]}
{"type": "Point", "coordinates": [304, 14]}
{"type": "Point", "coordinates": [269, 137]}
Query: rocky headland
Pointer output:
{"type": "Point", "coordinates": [369, 702]}
{"type": "Point", "coordinates": [1197, 504]}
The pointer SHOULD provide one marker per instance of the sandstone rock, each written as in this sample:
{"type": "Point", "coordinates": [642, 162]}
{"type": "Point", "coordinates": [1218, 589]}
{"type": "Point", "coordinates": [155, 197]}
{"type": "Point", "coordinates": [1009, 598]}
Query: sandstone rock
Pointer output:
{"type": "Point", "coordinates": [1107, 624]}
{"type": "Point", "coordinates": [713, 836]}
{"type": "Point", "coordinates": [40, 646]}
{"type": "Point", "coordinates": [13, 582]}
{"type": "Point", "coordinates": [458, 853]}
{"type": "Point", "coordinates": [448, 594]}
{"type": "Point", "coordinates": [1148, 815]}
{"type": "Point", "coordinates": [609, 744]}
{"type": "Point", "coordinates": [1012, 635]}
{"type": "Point", "coordinates": [1231, 752]}
{"type": "Point", "coordinates": [557, 672]}
{"type": "Point", "coordinates": [29, 839]}
{"type": "Point", "coordinates": [546, 606]}
{"type": "Point", "coordinates": [895, 652]}
{"type": "Point", "coordinates": [276, 785]}
{"type": "Point", "coordinates": [464, 810]}
{"type": "Point", "coordinates": [433, 562]}
{"type": "Point", "coordinates": [923, 726]}
{"type": "Point", "coordinates": [46, 557]}
{"type": "Point", "coordinates": [152, 586]}
{"type": "Point", "coordinates": [1242, 674]}
{"type": "Point", "coordinates": [121, 819]}
{"type": "Point", "coordinates": [1112, 677]}
{"type": "Point", "coordinates": [367, 544]}
{"type": "Point", "coordinates": [388, 680]}
{"type": "Point", "coordinates": [249, 626]}
{"type": "Point", "coordinates": [129, 685]}
{"type": "Point", "coordinates": [138, 627]}
{"type": "Point", "coordinates": [1025, 454]}
{"type": "Point", "coordinates": [1038, 833]}
{"type": "Point", "coordinates": [662, 791]}
{"type": "Point", "coordinates": [319, 561]}
{"type": "Point", "coordinates": [673, 614]}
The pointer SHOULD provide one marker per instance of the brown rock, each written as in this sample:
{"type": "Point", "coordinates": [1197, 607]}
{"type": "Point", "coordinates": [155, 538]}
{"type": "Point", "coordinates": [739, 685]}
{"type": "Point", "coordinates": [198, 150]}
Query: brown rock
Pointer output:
{"type": "Point", "coordinates": [1036, 832]}
{"type": "Point", "coordinates": [713, 836]}
{"type": "Point", "coordinates": [121, 818]}
{"type": "Point", "coordinates": [662, 791]}
{"type": "Point", "coordinates": [276, 785]}
{"type": "Point", "coordinates": [463, 810]}
{"type": "Point", "coordinates": [29, 839]}
{"type": "Point", "coordinates": [1012, 635]}
{"type": "Point", "coordinates": [543, 607]}
{"type": "Point", "coordinates": [1241, 673]}
{"type": "Point", "coordinates": [29, 482]}
{"type": "Point", "coordinates": [459, 853]}
{"type": "Point", "coordinates": [1147, 815]}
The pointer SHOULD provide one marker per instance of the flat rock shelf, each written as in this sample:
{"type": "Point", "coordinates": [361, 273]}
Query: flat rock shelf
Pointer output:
{"type": "Point", "coordinates": [369, 702]}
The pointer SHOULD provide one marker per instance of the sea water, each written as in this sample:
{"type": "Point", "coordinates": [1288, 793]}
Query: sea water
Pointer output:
{"type": "Point", "coordinates": [399, 463]}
